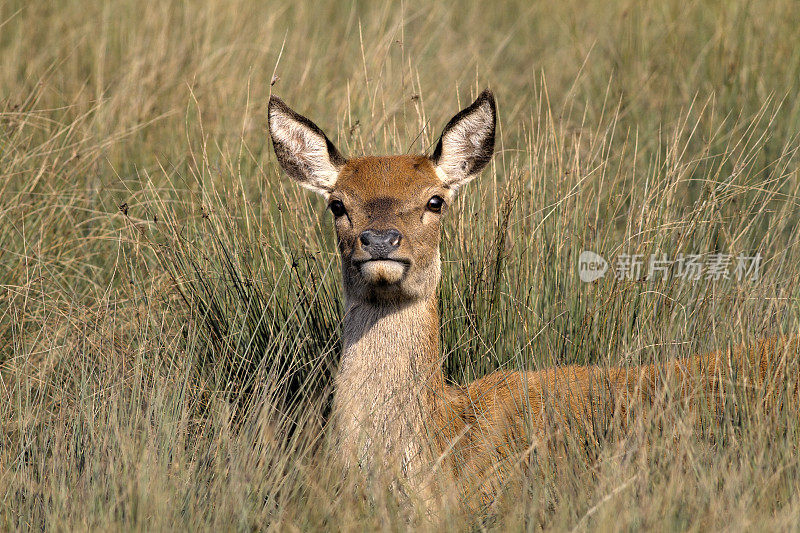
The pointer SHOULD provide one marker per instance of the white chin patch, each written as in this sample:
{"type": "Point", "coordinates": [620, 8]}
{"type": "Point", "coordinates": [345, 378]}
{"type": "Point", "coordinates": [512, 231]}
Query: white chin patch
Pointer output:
{"type": "Point", "coordinates": [382, 272]}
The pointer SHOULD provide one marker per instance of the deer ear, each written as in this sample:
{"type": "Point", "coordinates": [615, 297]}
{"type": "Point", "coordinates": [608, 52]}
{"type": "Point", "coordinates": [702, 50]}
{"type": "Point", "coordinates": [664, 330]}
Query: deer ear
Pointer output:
{"type": "Point", "coordinates": [467, 142]}
{"type": "Point", "coordinates": [303, 150]}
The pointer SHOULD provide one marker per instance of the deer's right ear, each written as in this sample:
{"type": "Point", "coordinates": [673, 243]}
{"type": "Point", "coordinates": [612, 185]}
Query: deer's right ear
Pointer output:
{"type": "Point", "coordinates": [467, 142]}
{"type": "Point", "coordinates": [303, 150]}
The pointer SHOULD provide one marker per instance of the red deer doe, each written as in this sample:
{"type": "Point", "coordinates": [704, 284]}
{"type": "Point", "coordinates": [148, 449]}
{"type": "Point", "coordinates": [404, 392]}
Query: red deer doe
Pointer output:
{"type": "Point", "coordinates": [393, 411]}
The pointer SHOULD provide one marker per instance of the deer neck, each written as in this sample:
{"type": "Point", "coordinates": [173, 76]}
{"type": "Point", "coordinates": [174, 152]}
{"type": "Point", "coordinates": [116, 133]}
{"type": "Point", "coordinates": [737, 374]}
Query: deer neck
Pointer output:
{"type": "Point", "coordinates": [389, 377]}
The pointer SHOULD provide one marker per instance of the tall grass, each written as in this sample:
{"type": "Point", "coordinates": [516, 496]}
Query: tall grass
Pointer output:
{"type": "Point", "coordinates": [170, 304]}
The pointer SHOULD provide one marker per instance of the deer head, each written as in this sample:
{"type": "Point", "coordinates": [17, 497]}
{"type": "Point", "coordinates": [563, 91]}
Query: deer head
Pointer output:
{"type": "Point", "coordinates": [387, 209]}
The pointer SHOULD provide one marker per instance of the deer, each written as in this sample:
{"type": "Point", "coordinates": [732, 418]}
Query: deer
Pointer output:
{"type": "Point", "coordinates": [393, 410]}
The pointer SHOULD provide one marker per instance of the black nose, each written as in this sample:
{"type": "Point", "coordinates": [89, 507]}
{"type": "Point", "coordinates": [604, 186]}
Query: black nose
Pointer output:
{"type": "Point", "coordinates": [380, 243]}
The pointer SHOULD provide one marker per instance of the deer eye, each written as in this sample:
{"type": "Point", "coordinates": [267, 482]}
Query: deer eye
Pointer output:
{"type": "Point", "coordinates": [337, 208]}
{"type": "Point", "coordinates": [435, 204]}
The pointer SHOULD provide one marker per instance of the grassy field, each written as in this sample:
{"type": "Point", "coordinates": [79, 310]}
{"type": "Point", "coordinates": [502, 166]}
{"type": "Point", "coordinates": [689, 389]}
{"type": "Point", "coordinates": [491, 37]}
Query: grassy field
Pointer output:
{"type": "Point", "coordinates": [170, 303]}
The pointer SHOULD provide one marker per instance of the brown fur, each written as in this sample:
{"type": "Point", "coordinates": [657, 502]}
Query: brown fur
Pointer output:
{"type": "Point", "coordinates": [498, 419]}
{"type": "Point", "coordinates": [390, 192]}
{"type": "Point", "coordinates": [489, 424]}
{"type": "Point", "coordinates": [393, 412]}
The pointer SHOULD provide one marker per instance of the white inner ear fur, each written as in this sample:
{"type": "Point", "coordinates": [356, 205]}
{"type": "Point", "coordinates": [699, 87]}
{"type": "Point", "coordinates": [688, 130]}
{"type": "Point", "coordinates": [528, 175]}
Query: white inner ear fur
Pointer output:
{"type": "Point", "coordinates": [308, 151]}
{"type": "Point", "coordinates": [441, 174]}
{"type": "Point", "coordinates": [461, 143]}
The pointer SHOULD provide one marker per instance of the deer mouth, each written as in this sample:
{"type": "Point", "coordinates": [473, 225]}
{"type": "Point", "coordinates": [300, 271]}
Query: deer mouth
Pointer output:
{"type": "Point", "coordinates": [383, 270]}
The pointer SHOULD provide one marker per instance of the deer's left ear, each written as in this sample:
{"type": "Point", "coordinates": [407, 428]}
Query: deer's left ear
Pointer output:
{"type": "Point", "coordinates": [467, 142]}
{"type": "Point", "coordinates": [303, 150]}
